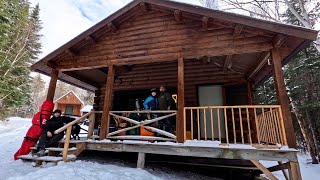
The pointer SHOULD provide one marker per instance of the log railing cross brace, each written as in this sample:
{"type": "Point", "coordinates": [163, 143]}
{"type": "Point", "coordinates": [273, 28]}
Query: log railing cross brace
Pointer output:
{"type": "Point", "coordinates": [143, 123]}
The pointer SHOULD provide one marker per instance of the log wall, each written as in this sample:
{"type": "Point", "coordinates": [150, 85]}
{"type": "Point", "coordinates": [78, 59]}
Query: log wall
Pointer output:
{"type": "Point", "coordinates": [159, 37]}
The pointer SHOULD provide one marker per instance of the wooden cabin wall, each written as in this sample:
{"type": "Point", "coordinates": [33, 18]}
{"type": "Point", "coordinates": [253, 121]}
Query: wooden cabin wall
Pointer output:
{"type": "Point", "coordinates": [75, 108]}
{"type": "Point", "coordinates": [159, 37]}
{"type": "Point", "coordinates": [149, 36]}
{"type": "Point", "coordinates": [238, 95]}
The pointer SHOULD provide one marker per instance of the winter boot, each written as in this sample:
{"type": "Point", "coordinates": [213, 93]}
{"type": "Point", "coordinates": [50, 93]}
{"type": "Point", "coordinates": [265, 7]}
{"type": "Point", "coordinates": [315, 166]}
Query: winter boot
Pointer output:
{"type": "Point", "coordinates": [41, 152]}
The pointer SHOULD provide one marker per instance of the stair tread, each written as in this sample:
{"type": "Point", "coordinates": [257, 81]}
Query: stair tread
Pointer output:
{"type": "Point", "coordinates": [55, 149]}
{"type": "Point", "coordinates": [60, 149]}
{"type": "Point", "coordinates": [74, 141]}
{"type": "Point", "coordinates": [46, 158]}
{"type": "Point", "coordinates": [26, 157]}
{"type": "Point", "coordinates": [54, 158]}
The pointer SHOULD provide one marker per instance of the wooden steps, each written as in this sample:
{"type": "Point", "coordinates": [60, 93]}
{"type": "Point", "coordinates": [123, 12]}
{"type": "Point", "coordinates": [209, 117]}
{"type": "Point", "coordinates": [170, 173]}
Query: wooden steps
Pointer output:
{"type": "Point", "coordinates": [53, 159]}
{"type": "Point", "coordinates": [54, 154]}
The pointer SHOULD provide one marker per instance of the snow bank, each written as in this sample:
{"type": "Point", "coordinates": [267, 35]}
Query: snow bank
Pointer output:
{"type": "Point", "coordinates": [85, 170]}
{"type": "Point", "coordinates": [308, 171]}
{"type": "Point", "coordinates": [11, 137]}
{"type": "Point", "coordinates": [14, 124]}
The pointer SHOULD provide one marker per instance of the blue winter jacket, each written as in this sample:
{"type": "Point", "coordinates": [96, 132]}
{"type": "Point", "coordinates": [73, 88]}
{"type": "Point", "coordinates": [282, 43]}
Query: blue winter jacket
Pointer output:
{"type": "Point", "coordinates": [151, 103]}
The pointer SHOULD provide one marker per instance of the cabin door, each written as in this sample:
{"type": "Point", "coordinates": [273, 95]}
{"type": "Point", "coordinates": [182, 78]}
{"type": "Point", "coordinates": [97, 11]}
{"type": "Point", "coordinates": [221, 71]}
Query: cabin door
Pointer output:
{"type": "Point", "coordinates": [69, 110]}
{"type": "Point", "coordinates": [211, 95]}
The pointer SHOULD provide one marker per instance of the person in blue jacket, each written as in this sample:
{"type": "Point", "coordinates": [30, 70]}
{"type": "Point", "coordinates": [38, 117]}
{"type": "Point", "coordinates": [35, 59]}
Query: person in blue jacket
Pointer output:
{"type": "Point", "coordinates": [151, 103]}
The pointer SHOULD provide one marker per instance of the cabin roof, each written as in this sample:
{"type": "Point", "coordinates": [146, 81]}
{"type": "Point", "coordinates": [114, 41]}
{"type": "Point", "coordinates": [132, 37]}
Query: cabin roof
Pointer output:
{"type": "Point", "coordinates": [304, 35]}
{"type": "Point", "coordinates": [86, 108]}
{"type": "Point", "coordinates": [73, 93]}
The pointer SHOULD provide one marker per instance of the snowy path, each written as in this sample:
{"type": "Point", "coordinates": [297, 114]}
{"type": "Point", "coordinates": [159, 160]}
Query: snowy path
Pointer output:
{"type": "Point", "coordinates": [11, 136]}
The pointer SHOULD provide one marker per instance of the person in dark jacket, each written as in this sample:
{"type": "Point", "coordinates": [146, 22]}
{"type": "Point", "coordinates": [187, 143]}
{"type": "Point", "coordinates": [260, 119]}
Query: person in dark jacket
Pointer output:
{"type": "Point", "coordinates": [165, 104]}
{"type": "Point", "coordinates": [164, 99]}
{"type": "Point", "coordinates": [48, 137]}
{"type": "Point", "coordinates": [151, 103]}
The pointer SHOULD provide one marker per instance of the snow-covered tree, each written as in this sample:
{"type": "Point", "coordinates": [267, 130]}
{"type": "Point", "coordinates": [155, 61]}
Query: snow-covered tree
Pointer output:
{"type": "Point", "coordinates": [19, 48]}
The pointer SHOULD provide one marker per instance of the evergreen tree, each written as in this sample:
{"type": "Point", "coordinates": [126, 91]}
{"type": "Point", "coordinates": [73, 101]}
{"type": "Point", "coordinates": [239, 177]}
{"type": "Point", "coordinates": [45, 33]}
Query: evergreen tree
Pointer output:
{"type": "Point", "coordinates": [19, 48]}
{"type": "Point", "coordinates": [302, 78]}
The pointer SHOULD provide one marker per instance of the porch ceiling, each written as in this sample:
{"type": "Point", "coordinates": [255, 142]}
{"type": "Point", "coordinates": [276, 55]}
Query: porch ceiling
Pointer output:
{"type": "Point", "coordinates": [204, 70]}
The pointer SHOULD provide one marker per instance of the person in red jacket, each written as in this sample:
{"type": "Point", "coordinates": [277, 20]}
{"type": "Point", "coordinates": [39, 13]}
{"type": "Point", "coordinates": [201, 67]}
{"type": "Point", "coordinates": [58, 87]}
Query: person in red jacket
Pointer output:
{"type": "Point", "coordinates": [48, 137]}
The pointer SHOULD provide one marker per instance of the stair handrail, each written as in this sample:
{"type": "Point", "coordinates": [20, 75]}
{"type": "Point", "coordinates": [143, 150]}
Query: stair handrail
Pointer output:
{"type": "Point", "coordinates": [72, 123]}
{"type": "Point", "coordinates": [68, 127]}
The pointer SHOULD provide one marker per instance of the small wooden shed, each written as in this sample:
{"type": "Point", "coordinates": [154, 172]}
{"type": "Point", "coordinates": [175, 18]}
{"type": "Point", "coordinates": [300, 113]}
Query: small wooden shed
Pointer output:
{"type": "Point", "coordinates": [69, 104]}
{"type": "Point", "coordinates": [210, 58]}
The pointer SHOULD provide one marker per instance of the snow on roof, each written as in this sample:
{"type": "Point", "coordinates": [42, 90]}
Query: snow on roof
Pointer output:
{"type": "Point", "coordinates": [67, 94]}
{"type": "Point", "coordinates": [87, 108]}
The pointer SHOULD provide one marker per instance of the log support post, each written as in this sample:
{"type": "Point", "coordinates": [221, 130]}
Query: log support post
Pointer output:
{"type": "Point", "coordinates": [91, 125]}
{"type": "Point", "coordinates": [282, 97]}
{"type": "Point", "coordinates": [180, 123]}
{"type": "Point", "coordinates": [294, 171]}
{"type": "Point", "coordinates": [107, 106]}
{"type": "Point", "coordinates": [141, 160]}
{"type": "Point", "coordinates": [52, 84]}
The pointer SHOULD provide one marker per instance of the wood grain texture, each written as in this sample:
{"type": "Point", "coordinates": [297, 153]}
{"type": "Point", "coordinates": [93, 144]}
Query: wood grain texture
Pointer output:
{"type": "Point", "coordinates": [52, 84]}
{"type": "Point", "coordinates": [180, 124]}
{"type": "Point", "coordinates": [107, 106]}
{"type": "Point", "coordinates": [282, 97]}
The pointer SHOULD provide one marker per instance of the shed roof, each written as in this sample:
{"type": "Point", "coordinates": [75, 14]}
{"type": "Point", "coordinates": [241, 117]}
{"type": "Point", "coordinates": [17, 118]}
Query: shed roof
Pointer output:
{"type": "Point", "coordinates": [86, 108]}
{"type": "Point", "coordinates": [70, 92]}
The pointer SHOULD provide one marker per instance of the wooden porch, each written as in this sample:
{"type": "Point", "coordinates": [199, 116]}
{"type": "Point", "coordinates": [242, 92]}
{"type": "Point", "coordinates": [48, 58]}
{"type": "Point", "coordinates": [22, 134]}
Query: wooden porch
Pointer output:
{"type": "Point", "coordinates": [265, 121]}
{"type": "Point", "coordinates": [152, 42]}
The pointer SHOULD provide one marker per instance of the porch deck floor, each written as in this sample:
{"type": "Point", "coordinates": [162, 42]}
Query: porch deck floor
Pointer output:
{"type": "Point", "coordinates": [223, 151]}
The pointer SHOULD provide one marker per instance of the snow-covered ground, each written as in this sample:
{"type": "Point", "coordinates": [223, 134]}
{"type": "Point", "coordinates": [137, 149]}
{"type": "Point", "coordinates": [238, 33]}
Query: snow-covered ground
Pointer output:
{"type": "Point", "coordinates": [11, 136]}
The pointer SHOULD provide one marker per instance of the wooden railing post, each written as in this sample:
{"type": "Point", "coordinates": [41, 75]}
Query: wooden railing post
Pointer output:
{"type": "Point", "coordinates": [282, 127]}
{"type": "Point", "coordinates": [180, 127]}
{"type": "Point", "coordinates": [91, 125]}
{"type": "Point", "coordinates": [66, 144]}
{"type": "Point", "coordinates": [257, 123]}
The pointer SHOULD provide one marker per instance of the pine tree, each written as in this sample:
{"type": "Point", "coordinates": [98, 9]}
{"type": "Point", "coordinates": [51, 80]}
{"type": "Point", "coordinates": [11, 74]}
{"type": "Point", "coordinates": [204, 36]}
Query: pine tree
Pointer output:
{"type": "Point", "coordinates": [302, 78]}
{"type": "Point", "coordinates": [20, 47]}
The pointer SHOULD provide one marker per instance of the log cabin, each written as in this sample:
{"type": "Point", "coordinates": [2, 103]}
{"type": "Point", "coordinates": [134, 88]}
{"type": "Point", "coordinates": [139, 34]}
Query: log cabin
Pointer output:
{"type": "Point", "coordinates": [211, 59]}
{"type": "Point", "coordinates": [69, 104]}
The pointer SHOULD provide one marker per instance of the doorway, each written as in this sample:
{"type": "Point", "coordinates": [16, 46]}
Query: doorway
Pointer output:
{"type": "Point", "coordinates": [211, 95]}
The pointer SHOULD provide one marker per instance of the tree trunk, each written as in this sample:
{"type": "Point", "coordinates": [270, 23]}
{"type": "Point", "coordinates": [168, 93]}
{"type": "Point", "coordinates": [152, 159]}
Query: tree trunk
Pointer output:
{"type": "Point", "coordinates": [312, 132]}
{"type": "Point", "coordinates": [306, 134]}
{"type": "Point", "coordinates": [317, 43]}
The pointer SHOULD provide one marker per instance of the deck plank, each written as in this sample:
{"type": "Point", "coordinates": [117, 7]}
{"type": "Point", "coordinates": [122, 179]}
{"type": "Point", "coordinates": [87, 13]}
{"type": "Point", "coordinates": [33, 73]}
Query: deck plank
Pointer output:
{"type": "Point", "coordinates": [194, 151]}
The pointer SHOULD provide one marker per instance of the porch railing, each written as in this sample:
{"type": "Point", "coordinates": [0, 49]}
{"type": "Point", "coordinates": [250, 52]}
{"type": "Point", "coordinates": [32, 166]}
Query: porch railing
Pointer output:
{"type": "Point", "coordinates": [253, 124]}
{"type": "Point", "coordinates": [146, 124]}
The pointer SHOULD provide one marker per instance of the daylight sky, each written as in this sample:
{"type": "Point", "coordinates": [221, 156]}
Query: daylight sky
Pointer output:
{"type": "Point", "coordinates": [63, 20]}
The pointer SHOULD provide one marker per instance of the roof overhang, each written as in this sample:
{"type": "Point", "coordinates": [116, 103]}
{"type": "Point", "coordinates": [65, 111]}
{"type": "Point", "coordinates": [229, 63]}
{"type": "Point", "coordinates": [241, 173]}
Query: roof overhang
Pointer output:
{"type": "Point", "coordinates": [44, 65]}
